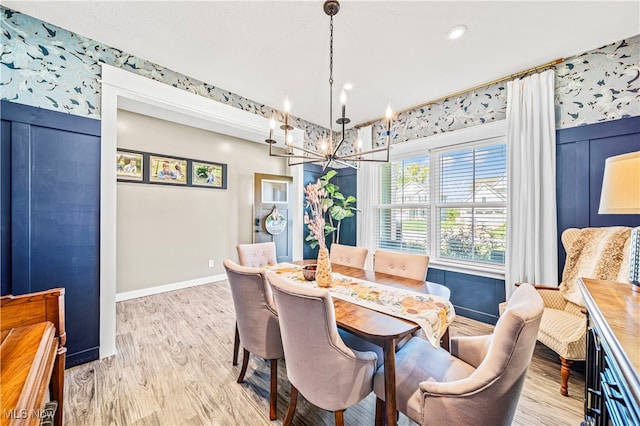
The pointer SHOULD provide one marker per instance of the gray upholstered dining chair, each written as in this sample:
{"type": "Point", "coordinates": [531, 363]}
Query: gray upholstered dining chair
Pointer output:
{"type": "Point", "coordinates": [254, 255]}
{"type": "Point", "coordinates": [348, 255]}
{"type": "Point", "coordinates": [407, 265]}
{"type": "Point", "coordinates": [256, 322]}
{"type": "Point", "coordinates": [257, 255]}
{"type": "Point", "coordinates": [320, 366]}
{"type": "Point", "coordinates": [479, 382]}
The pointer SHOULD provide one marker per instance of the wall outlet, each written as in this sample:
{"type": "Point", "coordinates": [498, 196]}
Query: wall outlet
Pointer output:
{"type": "Point", "coordinates": [210, 263]}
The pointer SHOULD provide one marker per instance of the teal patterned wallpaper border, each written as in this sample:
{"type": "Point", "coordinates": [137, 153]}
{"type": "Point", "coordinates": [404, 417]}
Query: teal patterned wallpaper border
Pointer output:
{"type": "Point", "coordinates": [46, 66]}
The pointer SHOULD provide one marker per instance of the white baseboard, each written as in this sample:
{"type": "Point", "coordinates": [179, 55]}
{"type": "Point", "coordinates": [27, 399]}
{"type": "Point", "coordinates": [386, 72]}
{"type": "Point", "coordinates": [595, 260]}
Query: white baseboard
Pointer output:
{"type": "Point", "coordinates": [169, 287]}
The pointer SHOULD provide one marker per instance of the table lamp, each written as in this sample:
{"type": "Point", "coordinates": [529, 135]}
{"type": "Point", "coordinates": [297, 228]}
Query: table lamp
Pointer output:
{"type": "Point", "coordinates": [621, 195]}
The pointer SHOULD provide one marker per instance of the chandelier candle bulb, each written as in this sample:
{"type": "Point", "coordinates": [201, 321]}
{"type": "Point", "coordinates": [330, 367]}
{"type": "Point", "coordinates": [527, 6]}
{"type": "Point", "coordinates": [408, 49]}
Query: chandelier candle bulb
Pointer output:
{"type": "Point", "coordinates": [343, 102]}
{"type": "Point", "coordinates": [272, 125]}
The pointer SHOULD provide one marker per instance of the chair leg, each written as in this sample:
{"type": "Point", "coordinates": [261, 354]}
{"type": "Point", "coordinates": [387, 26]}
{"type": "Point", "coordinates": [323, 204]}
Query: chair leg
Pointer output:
{"type": "Point", "coordinates": [245, 362]}
{"type": "Point", "coordinates": [339, 415]}
{"type": "Point", "coordinates": [446, 341]}
{"type": "Point", "coordinates": [273, 392]}
{"type": "Point", "coordinates": [288, 419]}
{"type": "Point", "coordinates": [379, 412]}
{"type": "Point", "coordinates": [236, 346]}
{"type": "Point", "coordinates": [565, 372]}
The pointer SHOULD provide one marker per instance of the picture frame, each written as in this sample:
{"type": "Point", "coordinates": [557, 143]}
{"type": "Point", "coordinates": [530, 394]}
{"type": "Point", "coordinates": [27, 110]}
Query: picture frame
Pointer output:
{"type": "Point", "coordinates": [168, 170]}
{"type": "Point", "coordinates": [208, 174]}
{"type": "Point", "coordinates": [129, 166]}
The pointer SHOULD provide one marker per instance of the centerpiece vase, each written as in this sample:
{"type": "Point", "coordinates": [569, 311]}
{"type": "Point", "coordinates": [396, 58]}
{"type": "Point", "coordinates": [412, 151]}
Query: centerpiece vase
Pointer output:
{"type": "Point", "coordinates": [323, 272]}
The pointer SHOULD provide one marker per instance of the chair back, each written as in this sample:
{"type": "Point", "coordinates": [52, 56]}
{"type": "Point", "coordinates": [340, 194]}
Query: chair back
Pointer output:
{"type": "Point", "coordinates": [406, 265]}
{"type": "Point", "coordinates": [257, 255]}
{"type": "Point", "coordinates": [327, 373]}
{"type": "Point", "coordinates": [599, 253]}
{"type": "Point", "coordinates": [348, 255]}
{"type": "Point", "coordinates": [501, 374]}
{"type": "Point", "coordinates": [255, 309]}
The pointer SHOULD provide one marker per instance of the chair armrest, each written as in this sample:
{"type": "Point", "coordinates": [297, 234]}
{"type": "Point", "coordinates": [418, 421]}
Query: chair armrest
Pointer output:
{"type": "Point", "coordinates": [457, 388]}
{"type": "Point", "coordinates": [470, 349]}
{"type": "Point", "coordinates": [552, 299]}
{"type": "Point", "coordinates": [544, 287]}
{"type": "Point", "coordinates": [540, 287]}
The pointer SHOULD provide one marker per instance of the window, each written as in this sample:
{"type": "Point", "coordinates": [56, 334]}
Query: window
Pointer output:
{"type": "Point", "coordinates": [449, 203]}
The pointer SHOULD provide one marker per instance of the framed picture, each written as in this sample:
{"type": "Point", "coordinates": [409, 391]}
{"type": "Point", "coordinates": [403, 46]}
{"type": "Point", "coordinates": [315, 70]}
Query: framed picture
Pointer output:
{"type": "Point", "coordinates": [167, 170]}
{"type": "Point", "coordinates": [129, 166]}
{"type": "Point", "coordinates": [210, 175]}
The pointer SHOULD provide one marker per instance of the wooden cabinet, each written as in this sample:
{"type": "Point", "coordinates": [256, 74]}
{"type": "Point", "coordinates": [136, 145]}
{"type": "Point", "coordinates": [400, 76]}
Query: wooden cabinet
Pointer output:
{"type": "Point", "coordinates": [612, 383]}
{"type": "Point", "coordinates": [32, 356]}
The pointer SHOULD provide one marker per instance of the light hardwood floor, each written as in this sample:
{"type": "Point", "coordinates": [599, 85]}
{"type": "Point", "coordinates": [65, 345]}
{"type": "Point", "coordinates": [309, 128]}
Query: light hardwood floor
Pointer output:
{"type": "Point", "coordinates": [173, 367]}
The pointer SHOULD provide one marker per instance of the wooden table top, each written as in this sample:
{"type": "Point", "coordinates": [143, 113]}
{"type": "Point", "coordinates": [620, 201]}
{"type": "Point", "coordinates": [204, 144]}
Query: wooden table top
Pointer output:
{"type": "Point", "coordinates": [367, 323]}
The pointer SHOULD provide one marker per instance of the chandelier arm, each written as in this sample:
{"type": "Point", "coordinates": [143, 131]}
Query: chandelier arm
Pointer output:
{"type": "Point", "coordinates": [316, 153]}
{"type": "Point", "coordinates": [304, 157]}
{"type": "Point", "coordinates": [344, 163]}
{"type": "Point", "coordinates": [308, 161]}
{"type": "Point", "coordinates": [287, 155]}
{"type": "Point", "coordinates": [356, 154]}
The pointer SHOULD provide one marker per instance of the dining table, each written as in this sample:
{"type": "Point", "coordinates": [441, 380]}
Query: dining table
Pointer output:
{"type": "Point", "coordinates": [379, 328]}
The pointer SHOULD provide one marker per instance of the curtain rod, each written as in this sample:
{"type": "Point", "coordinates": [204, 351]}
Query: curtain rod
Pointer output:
{"type": "Point", "coordinates": [479, 86]}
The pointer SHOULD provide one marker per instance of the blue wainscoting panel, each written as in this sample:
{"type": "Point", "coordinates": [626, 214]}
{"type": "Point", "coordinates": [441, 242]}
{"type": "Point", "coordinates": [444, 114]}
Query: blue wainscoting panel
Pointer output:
{"type": "Point", "coordinates": [472, 296]}
{"type": "Point", "coordinates": [5, 207]}
{"type": "Point", "coordinates": [55, 216]}
{"type": "Point", "coordinates": [580, 158]}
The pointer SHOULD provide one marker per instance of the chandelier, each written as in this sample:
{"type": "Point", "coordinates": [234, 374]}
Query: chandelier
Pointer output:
{"type": "Point", "coordinates": [327, 150]}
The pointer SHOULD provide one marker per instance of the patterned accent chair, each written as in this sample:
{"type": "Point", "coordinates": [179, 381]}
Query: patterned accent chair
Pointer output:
{"type": "Point", "coordinates": [599, 253]}
{"type": "Point", "coordinates": [479, 382]}
{"type": "Point", "coordinates": [406, 265]}
{"type": "Point", "coordinates": [256, 322]}
{"type": "Point", "coordinates": [348, 255]}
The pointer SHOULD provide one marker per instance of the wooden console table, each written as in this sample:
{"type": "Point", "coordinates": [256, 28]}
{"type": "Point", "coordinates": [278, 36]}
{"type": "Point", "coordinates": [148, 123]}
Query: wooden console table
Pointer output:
{"type": "Point", "coordinates": [612, 382]}
{"type": "Point", "coordinates": [32, 355]}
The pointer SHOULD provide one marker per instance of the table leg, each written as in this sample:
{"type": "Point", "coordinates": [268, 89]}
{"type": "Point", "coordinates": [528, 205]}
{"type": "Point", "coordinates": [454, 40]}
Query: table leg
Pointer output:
{"type": "Point", "coordinates": [390, 381]}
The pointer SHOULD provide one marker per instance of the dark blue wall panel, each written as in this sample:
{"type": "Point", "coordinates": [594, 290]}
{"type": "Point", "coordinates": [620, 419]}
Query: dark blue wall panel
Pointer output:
{"type": "Point", "coordinates": [472, 296]}
{"type": "Point", "coordinates": [580, 157]}
{"type": "Point", "coordinates": [346, 179]}
{"type": "Point", "coordinates": [54, 218]}
{"type": "Point", "coordinates": [5, 207]}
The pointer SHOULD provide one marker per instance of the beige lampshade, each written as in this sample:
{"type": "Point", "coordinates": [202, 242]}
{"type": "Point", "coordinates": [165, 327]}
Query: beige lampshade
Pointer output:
{"type": "Point", "coordinates": [621, 185]}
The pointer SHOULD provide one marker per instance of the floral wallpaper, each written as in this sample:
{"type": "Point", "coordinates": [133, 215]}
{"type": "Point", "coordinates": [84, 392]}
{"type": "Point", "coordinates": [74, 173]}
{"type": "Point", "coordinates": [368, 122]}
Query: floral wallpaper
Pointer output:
{"type": "Point", "coordinates": [46, 66]}
{"type": "Point", "coordinates": [49, 67]}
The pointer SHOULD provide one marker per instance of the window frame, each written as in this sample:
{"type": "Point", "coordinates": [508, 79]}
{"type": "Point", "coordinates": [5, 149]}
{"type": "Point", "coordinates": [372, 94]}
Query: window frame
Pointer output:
{"type": "Point", "coordinates": [434, 146]}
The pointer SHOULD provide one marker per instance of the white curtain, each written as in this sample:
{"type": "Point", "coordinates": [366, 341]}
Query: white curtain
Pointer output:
{"type": "Point", "coordinates": [367, 198]}
{"type": "Point", "coordinates": [531, 168]}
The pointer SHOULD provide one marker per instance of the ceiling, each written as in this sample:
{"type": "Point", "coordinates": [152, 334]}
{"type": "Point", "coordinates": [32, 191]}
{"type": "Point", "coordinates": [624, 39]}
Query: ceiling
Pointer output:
{"type": "Point", "coordinates": [392, 52]}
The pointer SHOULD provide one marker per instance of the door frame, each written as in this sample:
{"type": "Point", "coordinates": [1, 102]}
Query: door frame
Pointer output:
{"type": "Point", "coordinates": [125, 90]}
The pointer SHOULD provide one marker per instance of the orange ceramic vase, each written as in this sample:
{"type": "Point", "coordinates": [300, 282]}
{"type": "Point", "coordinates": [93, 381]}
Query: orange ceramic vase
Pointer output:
{"type": "Point", "coordinates": [323, 273]}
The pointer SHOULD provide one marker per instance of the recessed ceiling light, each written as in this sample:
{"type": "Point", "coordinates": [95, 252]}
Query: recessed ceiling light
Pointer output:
{"type": "Point", "coordinates": [347, 86]}
{"type": "Point", "coordinates": [456, 32]}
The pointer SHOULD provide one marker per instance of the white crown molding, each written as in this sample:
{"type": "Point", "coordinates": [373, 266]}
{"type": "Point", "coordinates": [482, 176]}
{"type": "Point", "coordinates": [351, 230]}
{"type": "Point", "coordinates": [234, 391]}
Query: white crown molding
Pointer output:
{"type": "Point", "coordinates": [153, 98]}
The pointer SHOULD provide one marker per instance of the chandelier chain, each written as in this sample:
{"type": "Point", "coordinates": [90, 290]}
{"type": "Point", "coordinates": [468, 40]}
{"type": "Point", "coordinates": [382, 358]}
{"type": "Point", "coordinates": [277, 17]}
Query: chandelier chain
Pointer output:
{"type": "Point", "coordinates": [324, 150]}
{"type": "Point", "coordinates": [331, 51]}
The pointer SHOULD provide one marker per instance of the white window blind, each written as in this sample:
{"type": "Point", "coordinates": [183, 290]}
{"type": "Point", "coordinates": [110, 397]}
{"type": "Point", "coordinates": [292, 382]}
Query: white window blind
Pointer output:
{"type": "Point", "coordinates": [449, 204]}
{"type": "Point", "coordinates": [404, 212]}
{"type": "Point", "coordinates": [471, 206]}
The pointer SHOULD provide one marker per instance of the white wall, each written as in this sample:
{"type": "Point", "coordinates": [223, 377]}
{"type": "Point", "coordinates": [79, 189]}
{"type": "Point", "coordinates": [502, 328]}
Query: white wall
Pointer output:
{"type": "Point", "coordinates": [167, 234]}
